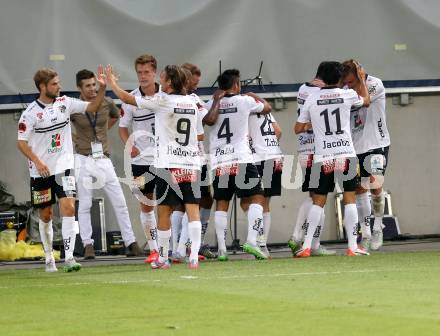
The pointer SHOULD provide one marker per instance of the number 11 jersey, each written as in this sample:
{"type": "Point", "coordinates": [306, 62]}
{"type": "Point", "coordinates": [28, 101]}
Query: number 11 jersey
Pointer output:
{"type": "Point", "coordinates": [329, 112]}
{"type": "Point", "coordinates": [229, 137]}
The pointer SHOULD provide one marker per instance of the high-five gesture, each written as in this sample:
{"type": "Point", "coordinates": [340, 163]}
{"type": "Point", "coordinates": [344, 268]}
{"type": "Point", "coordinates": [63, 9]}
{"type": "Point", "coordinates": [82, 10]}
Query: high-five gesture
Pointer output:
{"type": "Point", "coordinates": [100, 76]}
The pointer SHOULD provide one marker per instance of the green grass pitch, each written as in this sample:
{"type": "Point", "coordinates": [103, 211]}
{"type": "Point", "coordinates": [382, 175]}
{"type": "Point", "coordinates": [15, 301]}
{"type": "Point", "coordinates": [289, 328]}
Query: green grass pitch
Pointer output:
{"type": "Point", "coordinates": [384, 294]}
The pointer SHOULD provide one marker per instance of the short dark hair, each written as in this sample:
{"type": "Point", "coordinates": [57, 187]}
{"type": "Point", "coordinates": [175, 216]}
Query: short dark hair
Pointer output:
{"type": "Point", "coordinates": [228, 78]}
{"type": "Point", "coordinates": [177, 77]}
{"type": "Point", "coordinates": [330, 72]}
{"type": "Point", "coordinates": [83, 74]}
{"type": "Point", "coordinates": [43, 76]}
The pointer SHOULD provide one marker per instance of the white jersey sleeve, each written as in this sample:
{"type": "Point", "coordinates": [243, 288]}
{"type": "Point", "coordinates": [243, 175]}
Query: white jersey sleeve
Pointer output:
{"type": "Point", "coordinates": [376, 89]}
{"type": "Point", "coordinates": [354, 99]}
{"type": "Point", "coordinates": [254, 105]}
{"type": "Point", "coordinates": [26, 125]}
{"type": "Point", "coordinates": [126, 115]}
{"type": "Point", "coordinates": [304, 115]}
{"type": "Point", "coordinates": [74, 105]}
{"type": "Point", "coordinates": [149, 102]}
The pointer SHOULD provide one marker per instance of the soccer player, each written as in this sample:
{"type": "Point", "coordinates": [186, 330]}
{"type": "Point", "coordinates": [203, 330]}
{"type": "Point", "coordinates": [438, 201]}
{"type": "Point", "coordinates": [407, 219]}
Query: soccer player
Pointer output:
{"type": "Point", "coordinates": [231, 158]}
{"type": "Point", "coordinates": [306, 148]}
{"type": "Point", "coordinates": [142, 147]}
{"type": "Point", "coordinates": [371, 141]}
{"type": "Point", "coordinates": [206, 200]}
{"type": "Point", "coordinates": [44, 137]}
{"type": "Point", "coordinates": [265, 134]}
{"type": "Point", "coordinates": [177, 159]}
{"type": "Point", "coordinates": [92, 161]}
{"type": "Point", "coordinates": [328, 112]}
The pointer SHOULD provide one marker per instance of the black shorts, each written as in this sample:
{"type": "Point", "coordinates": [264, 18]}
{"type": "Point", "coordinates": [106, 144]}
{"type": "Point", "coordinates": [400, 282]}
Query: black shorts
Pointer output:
{"type": "Point", "coordinates": [169, 192]}
{"type": "Point", "coordinates": [44, 189]}
{"type": "Point", "coordinates": [371, 164]}
{"type": "Point", "coordinates": [247, 183]}
{"type": "Point", "coordinates": [205, 188]}
{"type": "Point", "coordinates": [323, 183]}
{"type": "Point", "coordinates": [270, 172]}
{"type": "Point", "coordinates": [306, 161]}
{"type": "Point", "coordinates": [149, 174]}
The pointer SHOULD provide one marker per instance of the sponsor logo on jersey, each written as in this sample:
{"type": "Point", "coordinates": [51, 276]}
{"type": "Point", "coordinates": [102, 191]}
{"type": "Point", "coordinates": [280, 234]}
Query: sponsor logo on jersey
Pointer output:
{"type": "Point", "coordinates": [55, 144]}
{"type": "Point", "coordinates": [40, 115]}
{"type": "Point", "coordinates": [180, 110]}
{"type": "Point", "coordinates": [330, 101]}
{"type": "Point", "coordinates": [379, 128]}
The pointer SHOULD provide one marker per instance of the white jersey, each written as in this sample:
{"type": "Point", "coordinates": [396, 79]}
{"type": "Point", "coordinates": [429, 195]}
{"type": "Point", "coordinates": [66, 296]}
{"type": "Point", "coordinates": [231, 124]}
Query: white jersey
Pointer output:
{"type": "Point", "coordinates": [368, 124]}
{"type": "Point", "coordinates": [47, 130]}
{"type": "Point", "coordinates": [306, 140]}
{"type": "Point", "coordinates": [176, 130]}
{"type": "Point", "coordinates": [329, 111]}
{"type": "Point", "coordinates": [202, 112]}
{"type": "Point", "coordinates": [229, 137]}
{"type": "Point", "coordinates": [142, 124]}
{"type": "Point", "coordinates": [263, 141]}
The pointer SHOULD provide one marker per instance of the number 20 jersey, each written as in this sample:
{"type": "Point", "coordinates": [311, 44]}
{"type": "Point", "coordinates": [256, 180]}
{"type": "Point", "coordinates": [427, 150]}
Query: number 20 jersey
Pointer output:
{"type": "Point", "coordinates": [329, 112]}
{"type": "Point", "coordinates": [229, 137]}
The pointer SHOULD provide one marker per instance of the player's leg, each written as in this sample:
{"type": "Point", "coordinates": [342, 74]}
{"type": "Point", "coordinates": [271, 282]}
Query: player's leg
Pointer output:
{"type": "Point", "coordinates": [176, 231]}
{"type": "Point", "coordinates": [113, 190]}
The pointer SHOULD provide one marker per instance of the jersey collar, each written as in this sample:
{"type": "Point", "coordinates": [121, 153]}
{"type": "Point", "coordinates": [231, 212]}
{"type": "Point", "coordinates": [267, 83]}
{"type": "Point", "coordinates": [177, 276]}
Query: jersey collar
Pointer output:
{"type": "Point", "coordinates": [329, 87]}
{"type": "Point", "coordinates": [43, 106]}
{"type": "Point", "coordinates": [156, 89]}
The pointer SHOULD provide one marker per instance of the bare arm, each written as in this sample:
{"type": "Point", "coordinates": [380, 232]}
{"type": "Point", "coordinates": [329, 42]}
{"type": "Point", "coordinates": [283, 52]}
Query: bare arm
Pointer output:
{"type": "Point", "coordinates": [96, 103]}
{"type": "Point", "coordinates": [267, 107]}
{"type": "Point", "coordinates": [24, 147]}
{"type": "Point", "coordinates": [362, 89]}
{"type": "Point", "coordinates": [212, 115]}
{"type": "Point", "coordinates": [302, 127]}
{"type": "Point", "coordinates": [124, 135]}
{"type": "Point", "coordinates": [111, 122]}
{"type": "Point", "coordinates": [277, 129]}
{"type": "Point", "coordinates": [118, 91]}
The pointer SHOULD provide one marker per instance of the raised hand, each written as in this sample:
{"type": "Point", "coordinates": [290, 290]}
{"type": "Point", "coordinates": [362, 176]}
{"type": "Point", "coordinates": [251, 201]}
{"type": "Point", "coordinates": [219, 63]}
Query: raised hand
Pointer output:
{"type": "Point", "coordinates": [100, 76]}
{"type": "Point", "coordinates": [110, 76]}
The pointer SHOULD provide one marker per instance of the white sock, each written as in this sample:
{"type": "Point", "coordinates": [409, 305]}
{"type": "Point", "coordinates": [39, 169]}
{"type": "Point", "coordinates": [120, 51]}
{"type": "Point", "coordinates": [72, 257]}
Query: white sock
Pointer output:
{"type": "Point", "coordinates": [378, 210]}
{"type": "Point", "coordinates": [300, 228]}
{"type": "Point", "coordinates": [184, 241]}
{"type": "Point", "coordinates": [68, 230]}
{"type": "Point", "coordinates": [313, 219]}
{"type": "Point", "coordinates": [148, 221]}
{"type": "Point", "coordinates": [350, 223]}
{"type": "Point", "coordinates": [176, 227]}
{"type": "Point", "coordinates": [255, 223]}
{"type": "Point", "coordinates": [195, 232]}
{"type": "Point", "coordinates": [221, 222]}
{"type": "Point", "coordinates": [204, 219]}
{"type": "Point", "coordinates": [163, 242]}
{"type": "Point", "coordinates": [363, 205]}
{"type": "Point", "coordinates": [46, 234]}
{"type": "Point", "coordinates": [316, 242]}
{"type": "Point", "coordinates": [267, 221]}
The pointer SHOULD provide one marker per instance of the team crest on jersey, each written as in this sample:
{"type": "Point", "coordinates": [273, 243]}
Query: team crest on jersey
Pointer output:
{"type": "Point", "coordinates": [372, 90]}
{"type": "Point", "coordinates": [40, 115]}
{"type": "Point", "coordinates": [122, 112]}
{"type": "Point", "coordinates": [62, 108]}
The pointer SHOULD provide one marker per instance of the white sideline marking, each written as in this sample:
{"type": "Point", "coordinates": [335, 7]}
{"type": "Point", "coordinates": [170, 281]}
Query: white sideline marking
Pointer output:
{"type": "Point", "coordinates": [190, 277]}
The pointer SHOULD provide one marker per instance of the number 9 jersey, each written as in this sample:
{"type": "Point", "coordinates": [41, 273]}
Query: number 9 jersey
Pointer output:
{"type": "Point", "coordinates": [229, 137]}
{"type": "Point", "coordinates": [176, 119]}
{"type": "Point", "coordinates": [329, 112]}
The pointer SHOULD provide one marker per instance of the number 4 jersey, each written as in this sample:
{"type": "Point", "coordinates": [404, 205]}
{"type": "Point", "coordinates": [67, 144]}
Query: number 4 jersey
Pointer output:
{"type": "Point", "coordinates": [176, 130]}
{"type": "Point", "coordinates": [329, 112]}
{"type": "Point", "coordinates": [229, 137]}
